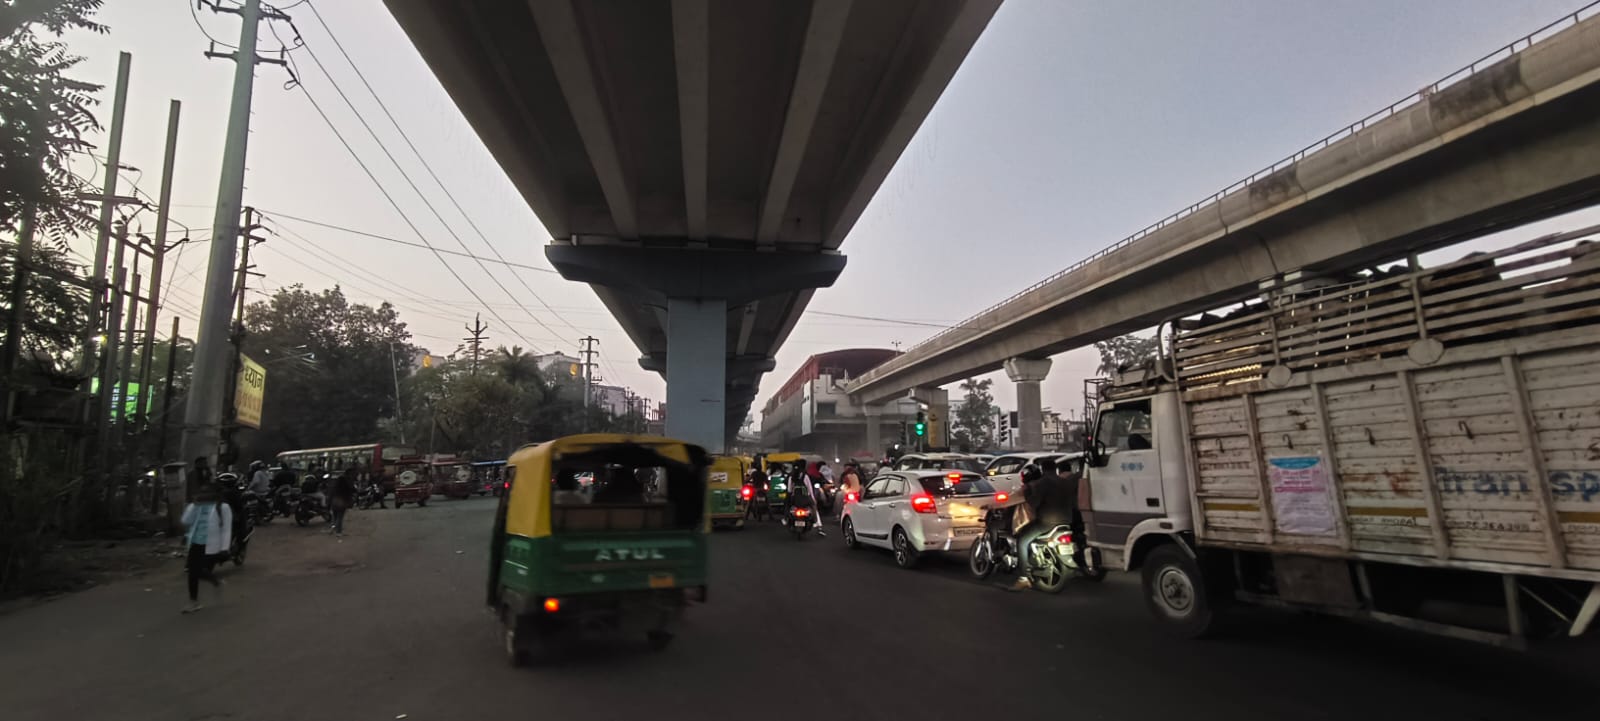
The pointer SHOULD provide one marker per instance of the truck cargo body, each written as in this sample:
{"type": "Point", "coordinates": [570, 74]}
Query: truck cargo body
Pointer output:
{"type": "Point", "coordinates": [1300, 450]}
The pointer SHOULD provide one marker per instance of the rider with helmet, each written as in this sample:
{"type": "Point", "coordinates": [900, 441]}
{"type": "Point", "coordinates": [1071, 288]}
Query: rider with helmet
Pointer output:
{"type": "Point", "coordinates": [260, 480]}
{"type": "Point", "coordinates": [1053, 501]}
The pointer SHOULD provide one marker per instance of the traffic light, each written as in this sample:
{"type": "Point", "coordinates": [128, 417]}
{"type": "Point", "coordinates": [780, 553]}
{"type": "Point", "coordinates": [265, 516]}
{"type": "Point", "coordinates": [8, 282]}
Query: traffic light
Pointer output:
{"type": "Point", "coordinates": [921, 427]}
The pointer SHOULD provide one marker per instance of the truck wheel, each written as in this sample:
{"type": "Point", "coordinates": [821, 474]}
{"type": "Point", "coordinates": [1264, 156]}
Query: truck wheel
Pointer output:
{"type": "Point", "coordinates": [1175, 591]}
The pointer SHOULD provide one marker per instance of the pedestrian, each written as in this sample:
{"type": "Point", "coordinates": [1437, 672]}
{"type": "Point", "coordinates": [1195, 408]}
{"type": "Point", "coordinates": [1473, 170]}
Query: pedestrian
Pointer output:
{"type": "Point", "coordinates": [343, 496]}
{"type": "Point", "coordinates": [210, 524]}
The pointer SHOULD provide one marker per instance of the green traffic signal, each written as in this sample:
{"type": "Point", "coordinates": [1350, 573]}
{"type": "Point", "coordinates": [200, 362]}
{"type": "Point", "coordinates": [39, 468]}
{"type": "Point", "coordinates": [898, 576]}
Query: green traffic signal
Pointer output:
{"type": "Point", "coordinates": [922, 429]}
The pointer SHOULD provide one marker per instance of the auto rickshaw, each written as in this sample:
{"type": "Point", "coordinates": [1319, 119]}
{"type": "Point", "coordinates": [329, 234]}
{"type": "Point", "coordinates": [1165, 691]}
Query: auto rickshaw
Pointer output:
{"type": "Point", "coordinates": [728, 494]}
{"type": "Point", "coordinates": [413, 483]}
{"type": "Point", "coordinates": [624, 552]}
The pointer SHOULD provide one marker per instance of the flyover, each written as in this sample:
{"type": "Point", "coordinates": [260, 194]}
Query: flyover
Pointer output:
{"type": "Point", "coordinates": [1508, 140]}
{"type": "Point", "coordinates": [697, 162]}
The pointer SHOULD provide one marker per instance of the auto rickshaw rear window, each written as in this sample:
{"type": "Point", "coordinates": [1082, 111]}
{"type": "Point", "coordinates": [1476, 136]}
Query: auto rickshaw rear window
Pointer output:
{"type": "Point", "coordinates": [617, 497]}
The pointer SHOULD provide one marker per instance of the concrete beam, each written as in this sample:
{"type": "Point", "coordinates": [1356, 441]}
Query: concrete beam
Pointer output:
{"type": "Point", "coordinates": [563, 38]}
{"type": "Point", "coordinates": [1517, 142]}
{"type": "Point", "coordinates": [656, 274]}
{"type": "Point", "coordinates": [926, 58]}
{"type": "Point", "coordinates": [691, 49]}
{"type": "Point", "coordinates": [824, 31]}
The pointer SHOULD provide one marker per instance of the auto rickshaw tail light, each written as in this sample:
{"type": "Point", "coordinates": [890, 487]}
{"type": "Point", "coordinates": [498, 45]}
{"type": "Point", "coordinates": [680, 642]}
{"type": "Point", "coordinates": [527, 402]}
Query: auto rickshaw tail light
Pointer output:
{"type": "Point", "coordinates": [552, 605]}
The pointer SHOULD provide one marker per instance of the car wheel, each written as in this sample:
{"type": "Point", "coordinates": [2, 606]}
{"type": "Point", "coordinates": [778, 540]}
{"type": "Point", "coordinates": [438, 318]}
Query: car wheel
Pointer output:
{"type": "Point", "coordinates": [904, 555]}
{"type": "Point", "coordinates": [981, 559]}
{"type": "Point", "coordinates": [1175, 592]}
{"type": "Point", "coordinates": [849, 532]}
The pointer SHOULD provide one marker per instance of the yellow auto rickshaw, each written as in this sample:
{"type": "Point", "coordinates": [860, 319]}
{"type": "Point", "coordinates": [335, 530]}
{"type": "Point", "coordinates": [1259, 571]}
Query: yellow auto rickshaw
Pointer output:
{"type": "Point", "coordinates": [597, 532]}
{"type": "Point", "coordinates": [728, 494]}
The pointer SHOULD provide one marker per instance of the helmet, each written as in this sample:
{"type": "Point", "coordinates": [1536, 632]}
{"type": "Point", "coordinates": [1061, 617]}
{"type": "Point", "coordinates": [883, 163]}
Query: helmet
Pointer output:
{"type": "Point", "coordinates": [257, 465]}
{"type": "Point", "coordinates": [1031, 473]}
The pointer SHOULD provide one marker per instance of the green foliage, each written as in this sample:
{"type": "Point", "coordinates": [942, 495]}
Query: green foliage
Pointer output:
{"type": "Point", "coordinates": [974, 425]}
{"type": "Point", "coordinates": [56, 321]}
{"type": "Point", "coordinates": [1125, 351]}
{"type": "Point", "coordinates": [331, 367]}
{"type": "Point", "coordinates": [44, 115]}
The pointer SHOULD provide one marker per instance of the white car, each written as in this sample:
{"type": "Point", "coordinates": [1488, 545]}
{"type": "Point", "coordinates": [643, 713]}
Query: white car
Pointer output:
{"type": "Point", "coordinates": [914, 512]}
{"type": "Point", "coordinates": [1005, 472]}
{"type": "Point", "coordinates": [937, 462]}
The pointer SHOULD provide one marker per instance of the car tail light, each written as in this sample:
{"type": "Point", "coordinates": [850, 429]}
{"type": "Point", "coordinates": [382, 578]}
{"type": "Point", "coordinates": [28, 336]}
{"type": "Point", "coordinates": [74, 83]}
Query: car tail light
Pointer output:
{"type": "Point", "coordinates": [850, 497]}
{"type": "Point", "coordinates": [1002, 497]}
{"type": "Point", "coordinates": [954, 477]}
{"type": "Point", "coordinates": [747, 492]}
{"type": "Point", "coordinates": [1065, 538]}
{"type": "Point", "coordinates": [923, 503]}
{"type": "Point", "coordinates": [552, 605]}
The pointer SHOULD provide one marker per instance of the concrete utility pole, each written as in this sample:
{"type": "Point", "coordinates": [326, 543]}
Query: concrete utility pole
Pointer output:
{"type": "Point", "coordinates": [202, 419]}
{"type": "Point", "coordinates": [108, 191]}
{"type": "Point", "coordinates": [588, 353]}
{"type": "Point", "coordinates": [159, 255]}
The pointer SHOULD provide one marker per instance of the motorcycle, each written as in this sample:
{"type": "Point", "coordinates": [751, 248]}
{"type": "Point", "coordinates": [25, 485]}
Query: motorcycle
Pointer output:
{"type": "Point", "coordinates": [283, 501]}
{"type": "Point", "coordinates": [1054, 557]}
{"type": "Point", "coordinates": [308, 507]}
{"type": "Point", "coordinates": [802, 519]}
{"type": "Point", "coordinates": [371, 495]}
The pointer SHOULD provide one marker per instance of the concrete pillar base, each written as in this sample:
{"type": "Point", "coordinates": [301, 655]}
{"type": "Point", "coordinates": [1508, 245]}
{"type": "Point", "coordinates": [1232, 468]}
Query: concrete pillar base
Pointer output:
{"type": "Point", "coordinates": [697, 339]}
{"type": "Point", "coordinates": [1027, 374]}
{"type": "Point", "coordinates": [874, 415]}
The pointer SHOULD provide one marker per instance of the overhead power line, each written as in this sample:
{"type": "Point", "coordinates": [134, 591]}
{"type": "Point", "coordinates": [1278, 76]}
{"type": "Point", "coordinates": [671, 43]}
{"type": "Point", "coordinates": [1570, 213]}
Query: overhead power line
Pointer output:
{"type": "Point", "coordinates": [396, 205]}
{"type": "Point", "coordinates": [426, 166]}
{"type": "Point", "coordinates": [375, 236]}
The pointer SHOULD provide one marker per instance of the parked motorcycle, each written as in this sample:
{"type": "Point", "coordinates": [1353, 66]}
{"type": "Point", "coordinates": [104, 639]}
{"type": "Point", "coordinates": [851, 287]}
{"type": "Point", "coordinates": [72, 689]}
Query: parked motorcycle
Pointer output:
{"type": "Point", "coordinates": [370, 495]}
{"type": "Point", "coordinates": [1054, 557]}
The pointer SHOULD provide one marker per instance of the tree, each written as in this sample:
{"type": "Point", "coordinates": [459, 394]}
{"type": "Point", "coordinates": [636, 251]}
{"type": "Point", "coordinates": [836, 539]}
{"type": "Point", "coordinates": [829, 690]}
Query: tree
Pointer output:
{"type": "Point", "coordinates": [1125, 351]}
{"type": "Point", "coordinates": [515, 365]}
{"type": "Point", "coordinates": [331, 368]}
{"type": "Point", "coordinates": [56, 313]}
{"type": "Point", "coordinates": [43, 116]}
{"type": "Point", "coordinates": [973, 429]}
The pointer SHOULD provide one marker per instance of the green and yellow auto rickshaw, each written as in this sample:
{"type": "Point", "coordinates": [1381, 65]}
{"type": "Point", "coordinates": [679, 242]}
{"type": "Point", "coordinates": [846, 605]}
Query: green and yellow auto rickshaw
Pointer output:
{"type": "Point", "coordinates": [623, 552]}
{"type": "Point", "coordinates": [728, 493]}
{"type": "Point", "coordinates": [781, 469]}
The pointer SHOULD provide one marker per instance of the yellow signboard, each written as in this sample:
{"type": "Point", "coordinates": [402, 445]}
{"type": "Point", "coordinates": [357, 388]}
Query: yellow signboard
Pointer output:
{"type": "Point", "coordinates": [251, 390]}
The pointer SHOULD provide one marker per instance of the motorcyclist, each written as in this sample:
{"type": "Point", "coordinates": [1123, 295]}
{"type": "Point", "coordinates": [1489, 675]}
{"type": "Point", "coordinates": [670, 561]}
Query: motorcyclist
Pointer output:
{"type": "Point", "coordinates": [1052, 501]}
{"type": "Point", "coordinates": [260, 481]}
{"type": "Point", "coordinates": [803, 492]}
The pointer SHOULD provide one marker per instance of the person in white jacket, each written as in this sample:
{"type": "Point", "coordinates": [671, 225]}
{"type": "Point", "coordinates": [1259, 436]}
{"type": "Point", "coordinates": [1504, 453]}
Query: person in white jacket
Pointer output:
{"type": "Point", "coordinates": [210, 524]}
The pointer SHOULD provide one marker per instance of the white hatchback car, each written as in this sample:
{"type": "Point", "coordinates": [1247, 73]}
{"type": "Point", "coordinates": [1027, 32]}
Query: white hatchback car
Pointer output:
{"type": "Point", "coordinates": [1005, 472]}
{"type": "Point", "coordinates": [913, 512]}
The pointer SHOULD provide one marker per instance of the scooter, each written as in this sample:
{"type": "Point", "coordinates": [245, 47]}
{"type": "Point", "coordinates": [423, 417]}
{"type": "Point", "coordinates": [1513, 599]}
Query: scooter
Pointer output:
{"type": "Point", "coordinates": [1054, 557]}
{"type": "Point", "coordinates": [802, 519]}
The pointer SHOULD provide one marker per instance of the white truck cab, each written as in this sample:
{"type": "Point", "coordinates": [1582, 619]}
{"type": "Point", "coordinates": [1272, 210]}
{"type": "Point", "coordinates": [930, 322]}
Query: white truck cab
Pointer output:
{"type": "Point", "coordinates": [1136, 471]}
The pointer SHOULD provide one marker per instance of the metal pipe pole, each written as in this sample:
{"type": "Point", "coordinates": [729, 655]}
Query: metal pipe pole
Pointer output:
{"type": "Point", "coordinates": [123, 418]}
{"type": "Point", "coordinates": [108, 192]}
{"type": "Point", "coordinates": [103, 409]}
{"type": "Point", "coordinates": [399, 421]}
{"type": "Point", "coordinates": [160, 254]}
{"type": "Point", "coordinates": [203, 414]}
{"type": "Point", "coordinates": [166, 391]}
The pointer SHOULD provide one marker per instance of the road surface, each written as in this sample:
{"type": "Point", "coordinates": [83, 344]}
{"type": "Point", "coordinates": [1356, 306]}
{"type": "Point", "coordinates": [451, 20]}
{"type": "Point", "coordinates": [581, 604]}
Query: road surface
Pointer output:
{"type": "Point", "coordinates": [390, 621]}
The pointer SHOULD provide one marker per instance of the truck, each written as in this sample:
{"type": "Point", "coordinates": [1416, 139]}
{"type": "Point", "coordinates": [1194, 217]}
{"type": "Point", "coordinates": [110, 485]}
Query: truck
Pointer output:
{"type": "Point", "coordinates": [1408, 445]}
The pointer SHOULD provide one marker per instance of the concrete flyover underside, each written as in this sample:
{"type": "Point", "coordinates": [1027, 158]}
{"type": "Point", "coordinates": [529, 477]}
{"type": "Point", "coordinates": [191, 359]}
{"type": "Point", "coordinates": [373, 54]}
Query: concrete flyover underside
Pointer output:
{"type": "Point", "coordinates": [1515, 142]}
{"type": "Point", "coordinates": [697, 126]}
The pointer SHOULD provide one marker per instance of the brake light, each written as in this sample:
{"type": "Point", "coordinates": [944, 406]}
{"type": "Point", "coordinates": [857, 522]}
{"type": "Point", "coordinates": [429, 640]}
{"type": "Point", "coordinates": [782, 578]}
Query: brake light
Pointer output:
{"type": "Point", "coordinates": [850, 497]}
{"type": "Point", "coordinates": [801, 513]}
{"type": "Point", "coordinates": [747, 492]}
{"type": "Point", "coordinates": [1002, 497]}
{"type": "Point", "coordinates": [507, 484]}
{"type": "Point", "coordinates": [552, 605]}
{"type": "Point", "coordinates": [1065, 538]}
{"type": "Point", "coordinates": [923, 503]}
{"type": "Point", "coordinates": [954, 477]}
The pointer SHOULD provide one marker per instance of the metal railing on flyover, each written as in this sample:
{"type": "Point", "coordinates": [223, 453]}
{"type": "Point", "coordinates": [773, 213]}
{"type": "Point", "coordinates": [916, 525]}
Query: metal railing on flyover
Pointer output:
{"type": "Point", "coordinates": [1501, 53]}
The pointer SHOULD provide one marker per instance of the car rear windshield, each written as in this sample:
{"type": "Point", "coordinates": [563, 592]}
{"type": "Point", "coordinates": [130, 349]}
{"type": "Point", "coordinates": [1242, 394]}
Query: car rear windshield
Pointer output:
{"type": "Point", "coordinates": [965, 486]}
{"type": "Point", "coordinates": [958, 464]}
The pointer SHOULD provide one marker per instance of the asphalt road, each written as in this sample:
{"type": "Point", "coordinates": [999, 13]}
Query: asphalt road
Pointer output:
{"type": "Point", "coordinates": [390, 621]}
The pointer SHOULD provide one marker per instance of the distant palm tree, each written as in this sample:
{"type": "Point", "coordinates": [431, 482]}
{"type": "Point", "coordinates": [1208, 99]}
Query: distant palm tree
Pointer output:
{"type": "Point", "coordinates": [516, 366]}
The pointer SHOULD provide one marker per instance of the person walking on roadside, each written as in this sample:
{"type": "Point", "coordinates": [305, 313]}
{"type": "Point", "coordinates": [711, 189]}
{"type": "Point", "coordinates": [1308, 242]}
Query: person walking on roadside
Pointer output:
{"type": "Point", "coordinates": [210, 524]}
{"type": "Point", "coordinates": [342, 497]}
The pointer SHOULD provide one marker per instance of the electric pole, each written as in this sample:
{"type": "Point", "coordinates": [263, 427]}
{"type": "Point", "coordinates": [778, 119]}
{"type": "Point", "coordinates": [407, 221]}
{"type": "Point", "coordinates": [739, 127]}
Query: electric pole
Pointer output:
{"type": "Point", "coordinates": [588, 354]}
{"type": "Point", "coordinates": [203, 416]}
{"type": "Point", "coordinates": [159, 252]}
{"type": "Point", "coordinates": [475, 338]}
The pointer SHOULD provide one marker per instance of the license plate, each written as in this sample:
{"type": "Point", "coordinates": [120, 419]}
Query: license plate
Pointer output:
{"type": "Point", "coordinates": [968, 531]}
{"type": "Point", "coordinates": [662, 580]}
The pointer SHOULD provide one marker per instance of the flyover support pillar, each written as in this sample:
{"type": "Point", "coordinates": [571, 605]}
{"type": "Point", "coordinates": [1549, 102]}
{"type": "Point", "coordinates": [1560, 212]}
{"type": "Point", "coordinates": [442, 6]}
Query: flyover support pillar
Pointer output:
{"type": "Point", "coordinates": [874, 416]}
{"type": "Point", "coordinates": [1027, 373]}
{"type": "Point", "coordinates": [696, 371]}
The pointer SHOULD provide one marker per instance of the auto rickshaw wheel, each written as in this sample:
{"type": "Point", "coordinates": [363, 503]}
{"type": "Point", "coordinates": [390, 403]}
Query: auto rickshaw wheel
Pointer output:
{"type": "Point", "coordinates": [423, 502]}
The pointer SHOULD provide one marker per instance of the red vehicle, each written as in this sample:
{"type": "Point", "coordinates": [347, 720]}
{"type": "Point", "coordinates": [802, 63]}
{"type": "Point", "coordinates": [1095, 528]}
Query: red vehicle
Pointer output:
{"type": "Point", "coordinates": [453, 477]}
{"type": "Point", "coordinates": [413, 481]}
{"type": "Point", "coordinates": [375, 460]}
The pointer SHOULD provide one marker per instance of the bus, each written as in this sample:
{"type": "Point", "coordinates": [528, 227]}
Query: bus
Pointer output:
{"type": "Point", "coordinates": [375, 459]}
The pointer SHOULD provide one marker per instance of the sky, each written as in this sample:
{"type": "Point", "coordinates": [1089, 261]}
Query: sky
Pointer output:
{"type": "Point", "coordinates": [1071, 125]}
